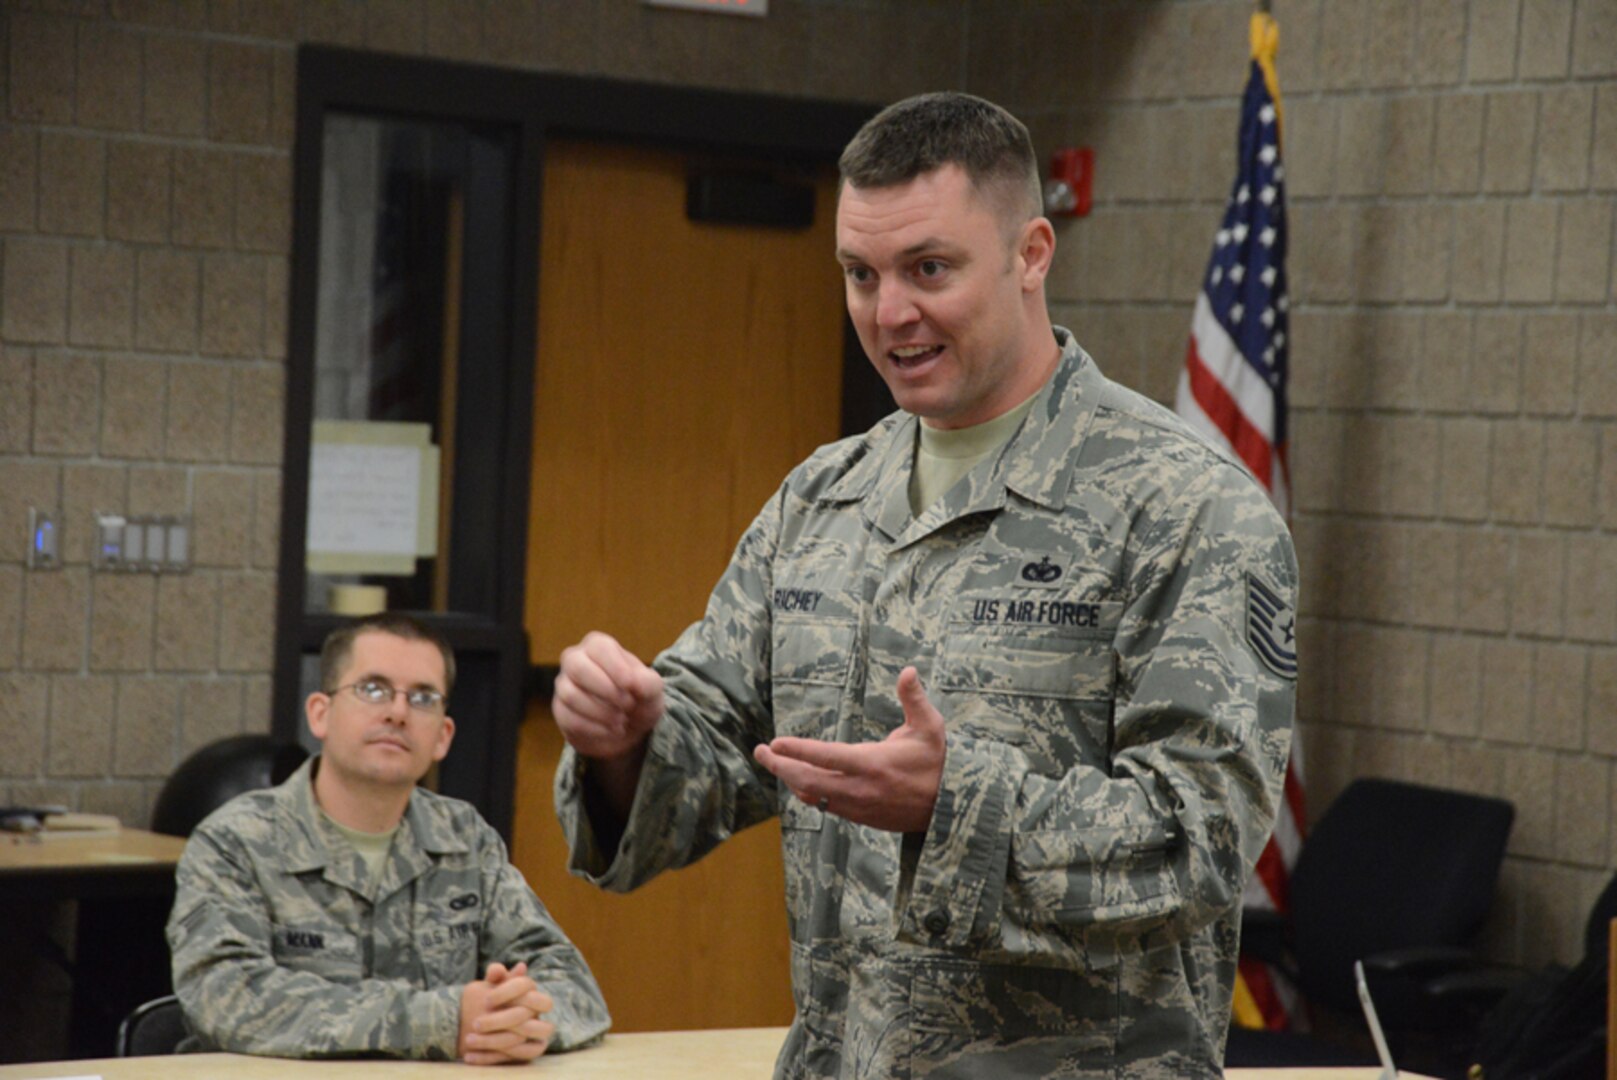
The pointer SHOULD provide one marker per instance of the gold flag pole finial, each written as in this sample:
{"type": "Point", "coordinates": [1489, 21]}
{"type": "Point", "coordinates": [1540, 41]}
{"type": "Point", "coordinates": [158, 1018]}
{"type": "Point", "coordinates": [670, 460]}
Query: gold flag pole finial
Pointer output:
{"type": "Point", "coordinates": [1265, 44]}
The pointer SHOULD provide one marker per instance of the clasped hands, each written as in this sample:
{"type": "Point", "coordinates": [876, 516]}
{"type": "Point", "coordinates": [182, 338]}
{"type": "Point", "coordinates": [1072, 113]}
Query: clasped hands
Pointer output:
{"type": "Point", "coordinates": [502, 1018]}
{"type": "Point", "coordinates": [607, 702]}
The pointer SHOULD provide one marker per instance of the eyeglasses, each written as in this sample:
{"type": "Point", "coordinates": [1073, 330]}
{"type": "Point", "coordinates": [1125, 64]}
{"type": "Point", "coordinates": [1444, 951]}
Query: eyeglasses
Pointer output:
{"type": "Point", "coordinates": [377, 692]}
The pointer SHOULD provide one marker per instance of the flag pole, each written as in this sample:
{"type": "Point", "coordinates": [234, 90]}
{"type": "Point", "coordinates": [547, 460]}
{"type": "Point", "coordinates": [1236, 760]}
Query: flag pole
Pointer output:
{"type": "Point", "coordinates": [1238, 328]}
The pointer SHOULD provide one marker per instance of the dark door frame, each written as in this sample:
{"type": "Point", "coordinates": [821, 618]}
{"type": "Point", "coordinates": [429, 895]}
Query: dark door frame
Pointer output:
{"type": "Point", "coordinates": [490, 542]}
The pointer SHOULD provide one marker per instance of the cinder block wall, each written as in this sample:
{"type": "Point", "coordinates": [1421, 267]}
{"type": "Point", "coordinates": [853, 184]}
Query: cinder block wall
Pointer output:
{"type": "Point", "coordinates": [145, 219]}
{"type": "Point", "coordinates": [144, 227]}
{"type": "Point", "coordinates": [1453, 172]}
{"type": "Point", "coordinates": [1452, 169]}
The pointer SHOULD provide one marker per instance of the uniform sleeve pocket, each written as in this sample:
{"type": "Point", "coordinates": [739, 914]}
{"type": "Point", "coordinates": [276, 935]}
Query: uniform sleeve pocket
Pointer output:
{"type": "Point", "coordinates": [1090, 875]}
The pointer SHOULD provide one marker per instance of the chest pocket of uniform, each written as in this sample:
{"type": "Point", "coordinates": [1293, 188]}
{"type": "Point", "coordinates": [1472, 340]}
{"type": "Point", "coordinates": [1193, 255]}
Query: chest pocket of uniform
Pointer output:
{"type": "Point", "coordinates": [1034, 663]}
{"type": "Point", "coordinates": [1031, 643]}
{"type": "Point", "coordinates": [320, 950]}
{"type": "Point", "coordinates": [449, 952]}
{"type": "Point", "coordinates": [1047, 689]}
{"type": "Point", "coordinates": [809, 666]}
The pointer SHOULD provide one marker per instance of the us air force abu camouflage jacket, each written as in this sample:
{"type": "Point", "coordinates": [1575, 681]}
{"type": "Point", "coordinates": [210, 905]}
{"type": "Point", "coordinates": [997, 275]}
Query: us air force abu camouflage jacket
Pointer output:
{"type": "Point", "coordinates": [1104, 618]}
{"type": "Point", "coordinates": [282, 948]}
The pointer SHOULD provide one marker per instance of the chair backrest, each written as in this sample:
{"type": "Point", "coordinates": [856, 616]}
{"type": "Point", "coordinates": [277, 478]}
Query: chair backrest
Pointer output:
{"type": "Point", "coordinates": [1601, 933]}
{"type": "Point", "coordinates": [153, 1028]}
{"type": "Point", "coordinates": [1392, 865]}
{"type": "Point", "coordinates": [218, 773]}
{"type": "Point", "coordinates": [1596, 930]}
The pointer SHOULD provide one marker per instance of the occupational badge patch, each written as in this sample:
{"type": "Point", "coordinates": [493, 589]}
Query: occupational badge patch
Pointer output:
{"type": "Point", "coordinates": [1271, 629]}
{"type": "Point", "coordinates": [1044, 571]}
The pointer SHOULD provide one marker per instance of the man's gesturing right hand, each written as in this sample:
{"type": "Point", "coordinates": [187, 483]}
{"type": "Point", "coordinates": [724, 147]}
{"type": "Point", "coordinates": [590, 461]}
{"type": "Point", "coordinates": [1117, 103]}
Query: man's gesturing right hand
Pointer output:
{"type": "Point", "coordinates": [606, 700]}
{"type": "Point", "coordinates": [606, 704]}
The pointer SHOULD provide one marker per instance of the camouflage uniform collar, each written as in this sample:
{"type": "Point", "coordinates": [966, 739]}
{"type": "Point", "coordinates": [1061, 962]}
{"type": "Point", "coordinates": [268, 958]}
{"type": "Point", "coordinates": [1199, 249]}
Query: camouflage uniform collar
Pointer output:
{"type": "Point", "coordinates": [307, 843]}
{"type": "Point", "coordinates": [882, 450]}
{"type": "Point", "coordinates": [300, 844]}
{"type": "Point", "coordinates": [887, 490]}
{"type": "Point", "coordinates": [424, 834]}
{"type": "Point", "coordinates": [1054, 427]}
{"type": "Point", "coordinates": [430, 825]}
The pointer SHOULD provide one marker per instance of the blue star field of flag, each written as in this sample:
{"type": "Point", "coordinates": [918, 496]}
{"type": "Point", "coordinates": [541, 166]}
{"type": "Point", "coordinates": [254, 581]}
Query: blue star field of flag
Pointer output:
{"type": "Point", "coordinates": [1246, 277]}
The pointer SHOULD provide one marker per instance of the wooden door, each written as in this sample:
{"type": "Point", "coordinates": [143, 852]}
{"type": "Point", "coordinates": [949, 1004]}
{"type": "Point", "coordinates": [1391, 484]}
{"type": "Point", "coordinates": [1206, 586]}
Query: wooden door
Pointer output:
{"type": "Point", "coordinates": [683, 369]}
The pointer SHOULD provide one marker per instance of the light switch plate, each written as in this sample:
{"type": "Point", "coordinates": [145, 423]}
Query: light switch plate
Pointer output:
{"type": "Point", "coordinates": [149, 543]}
{"type": "Point", "coordinates": [108, 552]}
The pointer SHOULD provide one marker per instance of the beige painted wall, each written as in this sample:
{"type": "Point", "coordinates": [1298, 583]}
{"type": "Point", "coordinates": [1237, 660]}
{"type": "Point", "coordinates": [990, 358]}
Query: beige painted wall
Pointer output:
{"type": "Point", "coordinates": [1452, 170]}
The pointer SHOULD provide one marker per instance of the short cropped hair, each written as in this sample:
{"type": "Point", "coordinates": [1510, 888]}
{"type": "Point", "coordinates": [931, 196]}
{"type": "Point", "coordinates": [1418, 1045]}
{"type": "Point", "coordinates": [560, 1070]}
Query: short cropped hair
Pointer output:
{"type": "Point", "coordinates": [927, 132]}
{"type": "Point", "coordinates": [339, 644]}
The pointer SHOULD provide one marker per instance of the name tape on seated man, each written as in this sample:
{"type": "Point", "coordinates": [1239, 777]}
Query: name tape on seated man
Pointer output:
{"type": "Point", "coordinates": [990, 663]}
{"type": "Point", "coordinates": [350, 912]}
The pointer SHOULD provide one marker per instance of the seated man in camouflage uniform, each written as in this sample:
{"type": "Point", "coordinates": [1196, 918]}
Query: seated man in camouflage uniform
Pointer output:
{"type": "Point", "coordinates": [349, 912]}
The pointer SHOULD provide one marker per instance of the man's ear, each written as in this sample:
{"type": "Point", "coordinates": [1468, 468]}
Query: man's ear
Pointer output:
{"type": "Point", "coordinates": [1036, 249]}
{"type": "Point", "coordinates": [446, 735]}
{"type": "Point", "coordinates": [316, 708]}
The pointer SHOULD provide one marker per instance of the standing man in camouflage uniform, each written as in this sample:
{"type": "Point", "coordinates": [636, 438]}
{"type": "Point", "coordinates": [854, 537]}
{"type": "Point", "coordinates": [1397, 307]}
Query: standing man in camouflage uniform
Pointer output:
{"type": "Point", "coordinates": [1015, 669]}
{"type": "Point", "coordinates": [350, 912]}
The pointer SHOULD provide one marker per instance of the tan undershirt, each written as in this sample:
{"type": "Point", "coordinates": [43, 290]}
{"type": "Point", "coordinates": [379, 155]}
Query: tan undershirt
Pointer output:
{"type": "Point", "coordinates": [372, 847]}
{"type": "Point", "coordinates": [942, 456]}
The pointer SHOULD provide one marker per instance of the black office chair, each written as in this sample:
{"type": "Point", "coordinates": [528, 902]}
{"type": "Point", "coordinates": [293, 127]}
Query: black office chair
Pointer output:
{"type": "Point", "coordinates": [218, 773]}
{"type": "Point", "coordinates": [1549, 1023]}
{"type": "Point", "coordinates": [201, 784]}
{"type": "Point", "coordinates": [1398, 875]}
{"type": "Point", "coordinates": [153, 1028]}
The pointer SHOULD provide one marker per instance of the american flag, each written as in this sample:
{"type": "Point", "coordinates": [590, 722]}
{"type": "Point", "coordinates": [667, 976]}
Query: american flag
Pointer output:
{"type": "Point", "coordinates": [1233, 389]}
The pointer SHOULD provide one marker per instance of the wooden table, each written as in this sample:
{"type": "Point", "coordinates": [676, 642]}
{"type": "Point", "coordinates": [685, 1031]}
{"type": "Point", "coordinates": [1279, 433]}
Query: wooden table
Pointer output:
{"type": "Point", "coordinates": [734, 1054]}
{"type": "Point", "coordinates": [123, 863]}
{"type": "Point", "coordinates": [123, 885]}
{"type": "Point", "coordinates": [668, 1055]}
